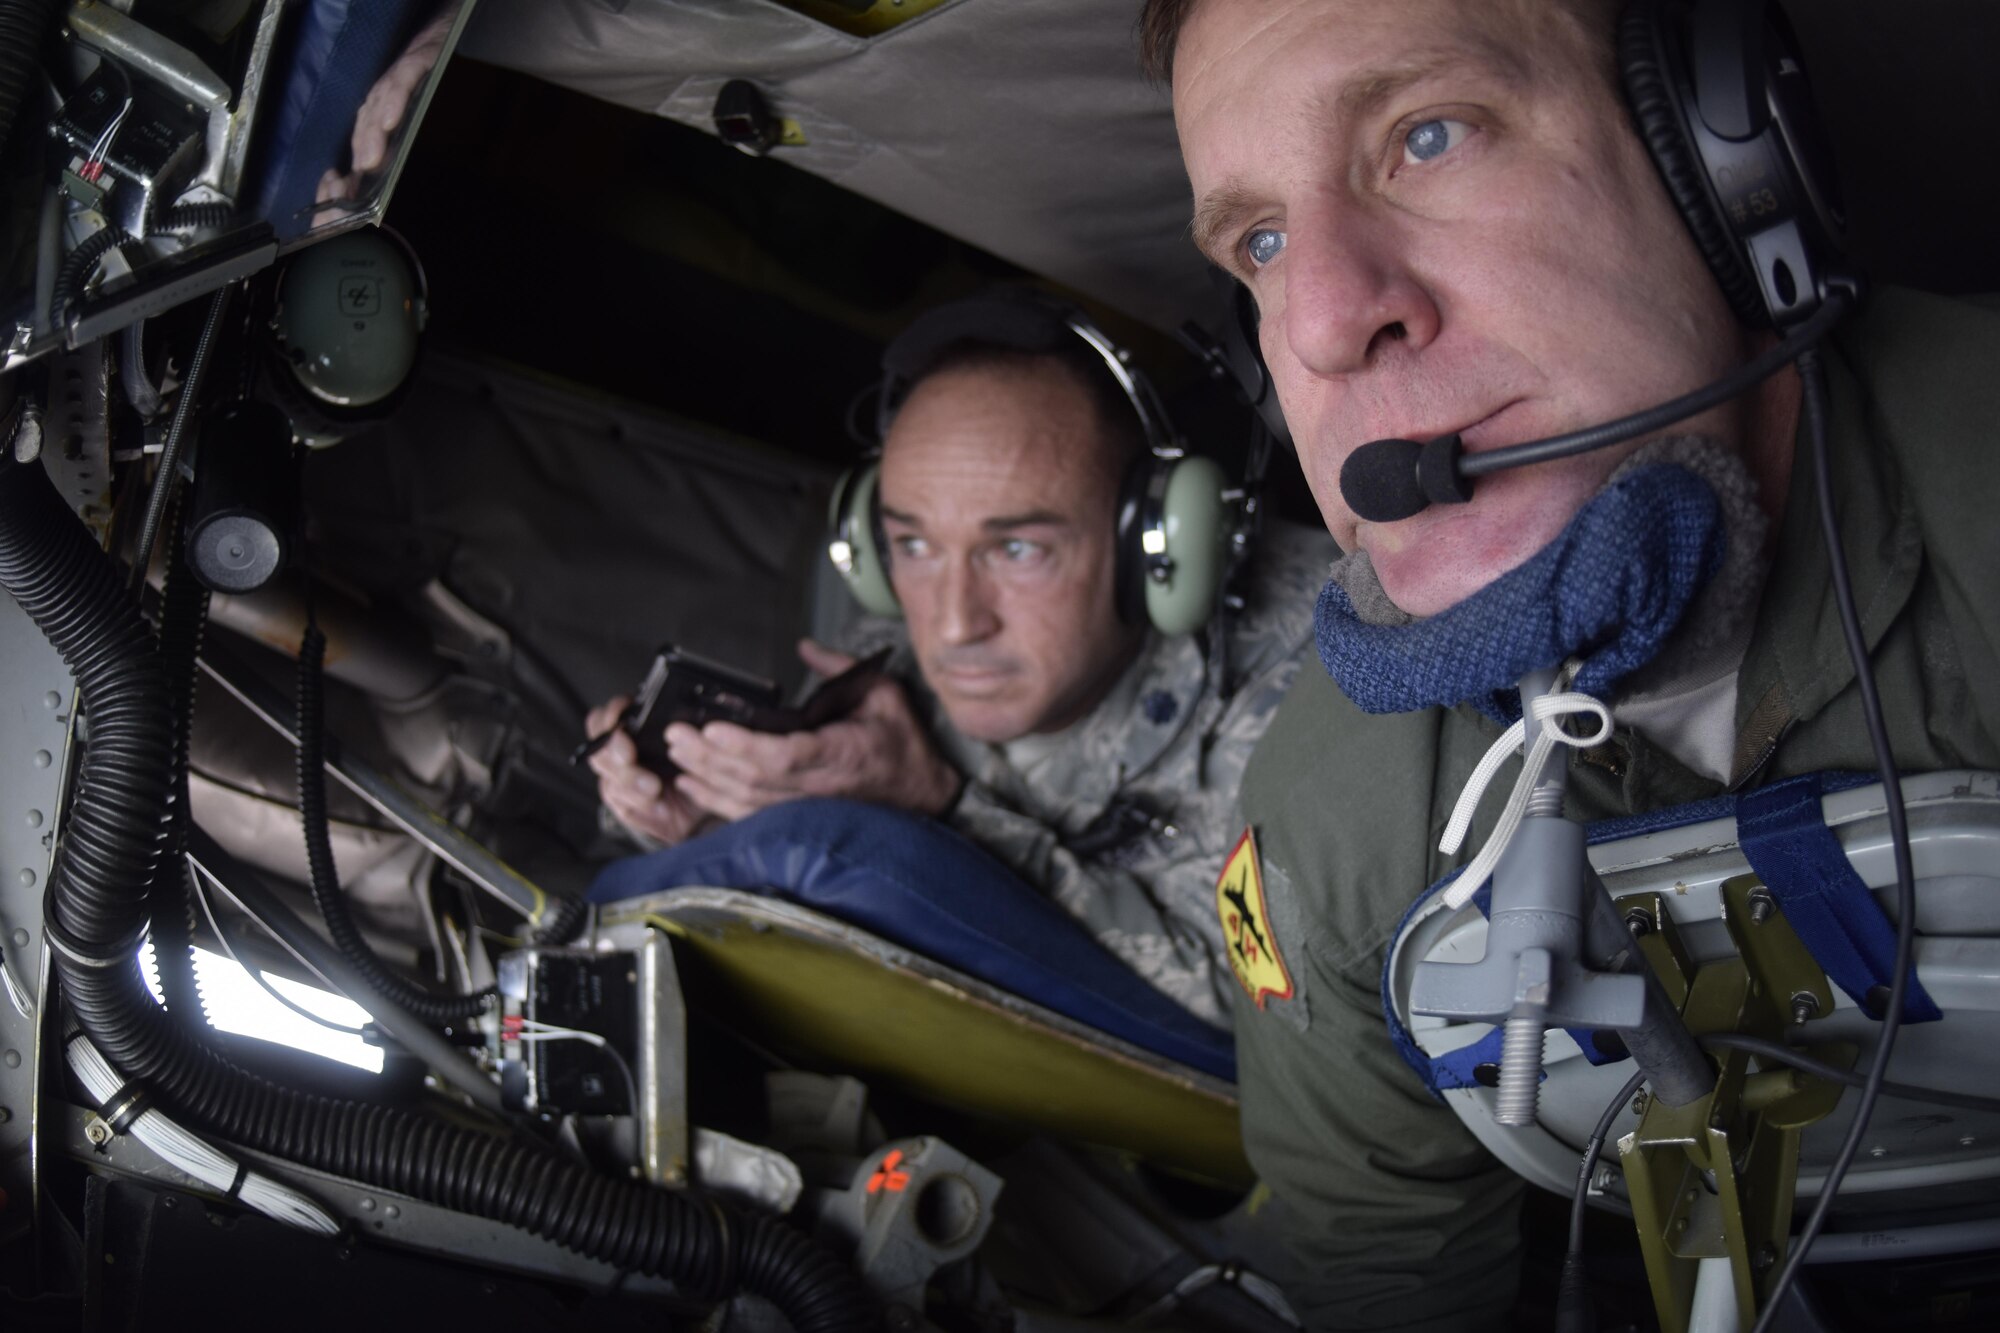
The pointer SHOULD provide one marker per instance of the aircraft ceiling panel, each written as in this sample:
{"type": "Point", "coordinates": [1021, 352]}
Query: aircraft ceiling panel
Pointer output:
{"type": "Point", "coordinates": [1024, 127]}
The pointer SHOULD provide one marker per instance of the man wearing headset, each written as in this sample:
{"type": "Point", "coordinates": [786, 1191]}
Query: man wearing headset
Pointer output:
{"type": "Point", "coordinates": [1450, 223]}
{"type": "Point", "coordinates": [1040, 708]}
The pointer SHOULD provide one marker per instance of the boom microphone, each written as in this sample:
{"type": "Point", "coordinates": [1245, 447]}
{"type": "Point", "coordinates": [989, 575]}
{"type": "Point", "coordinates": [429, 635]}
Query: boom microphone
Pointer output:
{"type": "Point", "coordinates": [1385, 481]}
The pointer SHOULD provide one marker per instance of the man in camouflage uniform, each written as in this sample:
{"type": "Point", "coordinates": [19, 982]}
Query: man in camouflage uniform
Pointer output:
{"type": "Point", "coordinates": [1094, 757]}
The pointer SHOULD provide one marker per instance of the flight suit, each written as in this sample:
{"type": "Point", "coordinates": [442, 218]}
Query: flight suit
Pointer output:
{"type": "Point", "coordinates": [1394, 1216]}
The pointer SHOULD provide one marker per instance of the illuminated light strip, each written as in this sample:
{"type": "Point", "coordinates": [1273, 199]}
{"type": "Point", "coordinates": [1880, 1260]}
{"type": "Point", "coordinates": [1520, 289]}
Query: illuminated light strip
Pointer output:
{"type": "Point", "coordinates": [236, 1003]}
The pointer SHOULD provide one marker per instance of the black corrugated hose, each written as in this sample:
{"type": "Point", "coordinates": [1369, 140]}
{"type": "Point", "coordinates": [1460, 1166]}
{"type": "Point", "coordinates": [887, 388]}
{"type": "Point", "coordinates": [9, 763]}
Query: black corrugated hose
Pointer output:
{"type": "Point", "coordinates": [183, 613]}
{"type": "Point", "coordinates": [565, 922]}
{"type": "Point", "coordinates": [24, 25]}
{"type": "Point", "coordinates": [80, 263]}
{"type": "Point", "coordinates": [110, 852]}
{"type": "Point", "coordinates": [436, 1010]}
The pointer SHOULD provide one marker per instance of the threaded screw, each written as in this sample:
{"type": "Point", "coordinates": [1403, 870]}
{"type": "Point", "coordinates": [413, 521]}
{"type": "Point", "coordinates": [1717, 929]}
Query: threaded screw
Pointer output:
{"type": "Point", "coordinates": [1520, 1070]}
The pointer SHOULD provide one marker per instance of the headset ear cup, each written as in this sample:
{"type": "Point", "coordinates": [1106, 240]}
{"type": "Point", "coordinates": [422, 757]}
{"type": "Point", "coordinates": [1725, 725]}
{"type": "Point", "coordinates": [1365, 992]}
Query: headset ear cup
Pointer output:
{"type": "Point", "coordinates": [1652, 93]}
{"type": "Point", "coordinates": [855, 543]}
{"type": "Point", "coordinates": [1194, 520]}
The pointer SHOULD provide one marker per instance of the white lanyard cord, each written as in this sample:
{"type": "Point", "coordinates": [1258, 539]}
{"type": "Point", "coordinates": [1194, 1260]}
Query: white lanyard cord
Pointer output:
{"type": "Point", "coordinates": [1545, 708]}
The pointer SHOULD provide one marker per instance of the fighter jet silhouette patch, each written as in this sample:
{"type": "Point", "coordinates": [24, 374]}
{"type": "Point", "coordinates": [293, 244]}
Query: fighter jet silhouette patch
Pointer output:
{"type": "Point", "coordinates": [1246, 927]}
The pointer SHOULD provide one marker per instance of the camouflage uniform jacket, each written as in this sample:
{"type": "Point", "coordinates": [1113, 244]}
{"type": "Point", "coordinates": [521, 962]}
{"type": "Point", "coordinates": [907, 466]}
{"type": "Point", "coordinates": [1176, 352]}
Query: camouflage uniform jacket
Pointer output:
{"type": "Point", "coordinates": [1125, 817]}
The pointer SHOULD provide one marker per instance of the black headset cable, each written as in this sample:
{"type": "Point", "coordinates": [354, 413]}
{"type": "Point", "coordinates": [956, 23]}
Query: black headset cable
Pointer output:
{"type": "Point", "coordinates": [1574, 1311]}
{"type": "Point", "coordinates": [1814, 404]}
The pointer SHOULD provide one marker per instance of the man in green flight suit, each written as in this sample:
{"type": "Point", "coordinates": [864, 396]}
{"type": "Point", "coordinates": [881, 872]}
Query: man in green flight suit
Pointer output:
{"type": "Point", "coordinates": [1449, 224]}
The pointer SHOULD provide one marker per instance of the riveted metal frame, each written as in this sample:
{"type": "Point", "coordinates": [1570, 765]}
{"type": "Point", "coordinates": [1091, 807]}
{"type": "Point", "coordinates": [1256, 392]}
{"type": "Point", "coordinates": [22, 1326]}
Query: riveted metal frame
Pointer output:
{"type": "Point", "coordinates": [36, 694]}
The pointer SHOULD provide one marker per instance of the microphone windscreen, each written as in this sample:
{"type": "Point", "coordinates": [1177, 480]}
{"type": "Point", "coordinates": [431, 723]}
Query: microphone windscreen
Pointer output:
{"type": "Point", "coordinates": [1379, 481]}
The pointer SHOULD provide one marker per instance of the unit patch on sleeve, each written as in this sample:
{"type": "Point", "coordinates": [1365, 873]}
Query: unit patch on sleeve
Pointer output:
{"type": "Point", "coordinates": [1251, 943]}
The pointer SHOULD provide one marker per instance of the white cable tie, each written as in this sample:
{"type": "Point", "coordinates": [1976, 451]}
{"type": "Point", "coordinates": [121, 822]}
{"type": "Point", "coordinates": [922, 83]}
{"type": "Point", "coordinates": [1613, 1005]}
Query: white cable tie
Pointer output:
{"type": "Point", "coordinates": [1545, 709]}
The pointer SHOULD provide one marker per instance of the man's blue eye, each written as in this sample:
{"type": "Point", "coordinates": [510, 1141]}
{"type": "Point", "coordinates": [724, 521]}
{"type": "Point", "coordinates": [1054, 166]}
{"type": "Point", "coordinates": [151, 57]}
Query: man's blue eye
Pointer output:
{"type": "Point", "coordinates": [1263, 245]}
{"type": "Point", "coordinates": [1432, 138]}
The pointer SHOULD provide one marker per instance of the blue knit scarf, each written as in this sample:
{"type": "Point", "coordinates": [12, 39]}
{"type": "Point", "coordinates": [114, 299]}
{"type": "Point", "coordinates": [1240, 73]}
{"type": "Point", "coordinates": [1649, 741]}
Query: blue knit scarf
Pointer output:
{"type": "Point", "coordinates": [1610, 589]}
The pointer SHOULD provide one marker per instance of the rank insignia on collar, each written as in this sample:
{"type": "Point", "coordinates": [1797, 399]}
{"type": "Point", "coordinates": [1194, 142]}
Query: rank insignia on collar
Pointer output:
{"type": "Point", "coordinates": [1252, 945]}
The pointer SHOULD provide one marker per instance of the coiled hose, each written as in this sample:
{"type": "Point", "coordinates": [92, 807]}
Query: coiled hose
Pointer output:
{"type": "Point", "coordinates": [183, 613]}
{"type": "Point", "coordinates": [436, 1010]}
{"type": "Point", "coordinates": [24, 24]}
{"type": "Point", "coordinates": [81, 263]}
{"type": "Point", "coordinates": [116, 837]}
{"type": "Point", "coordinates": [565, 923]}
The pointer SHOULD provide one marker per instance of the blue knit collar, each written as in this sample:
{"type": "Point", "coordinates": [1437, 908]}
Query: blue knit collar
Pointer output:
{"type": "Point", "coordinates": [1610, 589]}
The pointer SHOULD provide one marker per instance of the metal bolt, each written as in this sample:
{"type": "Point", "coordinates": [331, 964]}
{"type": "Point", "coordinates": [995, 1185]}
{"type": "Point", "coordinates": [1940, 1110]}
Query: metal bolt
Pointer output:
{"type": "Point", "coordinates": [43, 759]}
{"type": "Point", "coordinates": [391, 1210]}
{"type": "Point", "coordinates": [27, 878]}
{"type": "Point", "coordinates": [1680, 1226]}
{"type": "Point", "coordinates": [11, 1059]}
{"type": "Point", "coordinates": [1602, 1180]}
{"type": "Point", "coordinates": [1805, 1005]}
{"type": "Point", "coordinates": [20, 938]}
{"type": "Point", "coordinates": [1762, 904]}
{"type": "Point", "coordinates": [52, 700]}
{"type": "Point", "coordinates": [1765, 1258]}
{"type": "Point", "coordinates": [367, 1205]}
{"type": "Point", "coordinates": [1640, 922]}
{"type": "Point", "coordinates": [97, 1132]}
{"type": "Point", "coordinates": [1520, 1070]}
{"type": "Point", "coordinates": [7, 1114]}
{"type": "Point", "coordinates": [1639, 1103]}
{"type": "Point", "coordinates": [35, 818]}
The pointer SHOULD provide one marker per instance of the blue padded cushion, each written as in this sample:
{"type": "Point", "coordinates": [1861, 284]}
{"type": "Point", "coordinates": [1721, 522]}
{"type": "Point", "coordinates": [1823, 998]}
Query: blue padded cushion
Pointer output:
{"type": "Point", "coordinates": [322, 72]}
{"type": "Point", "coordinates": [919, 884]}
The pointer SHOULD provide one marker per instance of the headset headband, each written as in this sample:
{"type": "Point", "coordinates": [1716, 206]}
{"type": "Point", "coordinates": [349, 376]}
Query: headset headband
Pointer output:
{"type": "Point", "coordinates": [1024, 321]}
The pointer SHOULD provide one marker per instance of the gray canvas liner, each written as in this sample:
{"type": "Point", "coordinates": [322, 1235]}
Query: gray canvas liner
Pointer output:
{"type": "Point", "coordinates": [1021, 126]}
{"type": "Point", "coordinates": [1026, 128]}
{"type": "Point", "coordinates": [591, 529]}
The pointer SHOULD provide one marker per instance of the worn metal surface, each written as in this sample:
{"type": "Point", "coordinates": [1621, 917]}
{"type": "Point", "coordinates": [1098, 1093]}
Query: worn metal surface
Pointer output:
{"type": "Point", "coordinates": [833, 997]}
{"type": "Point", "coordinates": [1715, 1179]}
{"type": "Point", "coordinates": [35, 700]}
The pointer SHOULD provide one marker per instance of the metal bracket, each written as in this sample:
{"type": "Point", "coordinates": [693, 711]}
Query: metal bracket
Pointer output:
{"type": "Point", "coordinates": [1715, 1179]}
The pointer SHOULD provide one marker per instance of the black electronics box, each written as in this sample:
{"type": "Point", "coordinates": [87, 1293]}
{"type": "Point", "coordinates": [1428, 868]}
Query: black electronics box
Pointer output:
{"type": "Point", "coordinates": [589, 992]}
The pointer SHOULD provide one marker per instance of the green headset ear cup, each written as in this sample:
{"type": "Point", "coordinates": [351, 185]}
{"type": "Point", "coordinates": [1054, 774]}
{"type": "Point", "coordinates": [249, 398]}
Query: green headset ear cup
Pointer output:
{"type": "Point", "coordinates": [1195, 520]}
{"type": "Point", "coordinates": [855, 544]}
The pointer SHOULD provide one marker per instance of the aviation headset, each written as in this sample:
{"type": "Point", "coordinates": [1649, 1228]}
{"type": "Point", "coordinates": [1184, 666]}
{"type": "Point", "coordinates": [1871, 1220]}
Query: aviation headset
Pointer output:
{"type": "Point", "coordinates": [347, 322]}
{"type": "Point", "coordinates": [1720, 99]}
{"type": "Point", "coordinates": [1174, 516]}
